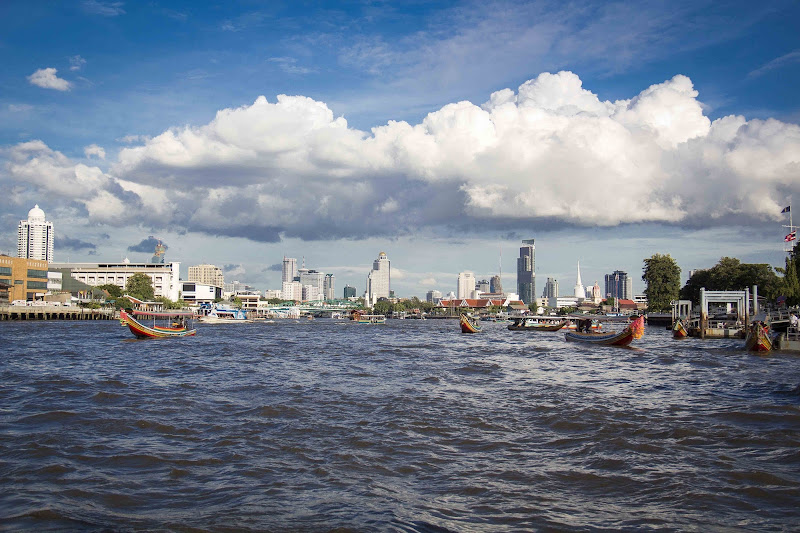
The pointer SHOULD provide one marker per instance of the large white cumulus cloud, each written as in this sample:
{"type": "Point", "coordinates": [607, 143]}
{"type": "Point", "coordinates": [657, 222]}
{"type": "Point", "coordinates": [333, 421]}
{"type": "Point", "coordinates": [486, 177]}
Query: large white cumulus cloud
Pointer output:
{"type": "Point", "coordinates": [549, 152]}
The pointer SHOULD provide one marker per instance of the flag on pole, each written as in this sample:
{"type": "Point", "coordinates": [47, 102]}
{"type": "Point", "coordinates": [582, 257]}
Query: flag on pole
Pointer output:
{"type": "Point", "coordinates": [792, 236]}
{"type": "Point", "coordinates": [787, 209]}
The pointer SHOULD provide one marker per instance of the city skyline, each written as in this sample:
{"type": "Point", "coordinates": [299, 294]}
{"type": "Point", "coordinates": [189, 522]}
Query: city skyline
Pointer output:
{"type": "Point", "coordinates": [607, 133]}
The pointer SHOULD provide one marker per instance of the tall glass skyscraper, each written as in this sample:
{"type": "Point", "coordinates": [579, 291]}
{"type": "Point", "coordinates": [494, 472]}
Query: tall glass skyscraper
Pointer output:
{"type": "Point", "coordinates": [35, 236]}
{"type": "Point", "coordinates": [526, 274]}
{"type": "Point", "coordinates": [619, 285]}
{"type": "Point", "coordinates": [289, 271]}
{"type": "Point", "coordinates": [379, 279]}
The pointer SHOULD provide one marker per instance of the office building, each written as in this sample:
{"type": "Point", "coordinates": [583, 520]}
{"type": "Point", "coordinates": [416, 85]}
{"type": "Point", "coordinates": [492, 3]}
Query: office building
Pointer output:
{"type": "Point", "coordinates": [526, 271]}
{"type": "Point", "coordinates": [165, 277]}
{"type": "Point", "coordinates": [289, 270]}
{"type": "Point", "coordinates": [196, 292]}
{"type": "Point", "coordinates": [550, 288]}
{"type": "Point", "coordinates": [619, 285]}
{"type": "Point", "coordinates": [465, 286]}
{"type": "Point", "coordinates": [35, 236]}
{"type": "Point", "coordinates": [292, 291]}
{"type": "Point", "coordinates": [26, 278]}
{"type": "Point", "coordinates": [207, 275]}
{"type": "Point", "coordinates": [433, 296]}
{"type": "Point", "coordinates": [495, 285]}
{"type": "Point", "coordinates": [483, 286]}
{"type": "Point", "coordinates": [379, 280]}
{"type": "Point", "coordinates": [349, 292]}
{"type": "Point", "coordinates": [307, 276]}
{"type": "Point", "coordinates": [329, 284]}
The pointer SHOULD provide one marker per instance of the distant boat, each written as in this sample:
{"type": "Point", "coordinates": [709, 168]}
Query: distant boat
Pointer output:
{"type": "Point", "coordinates": [469, 324]}
{"type": "Point", "coordinates": [536, 324]}
{"type": "Point", "coordinates": [224, 315]}
{"type": "Point", "coordinates": [679, 331]}
{"type": "Point", "coordinates": [175, 324]}
{"type": "Point", "coordinates": [634, 330]}
{"type": "Point", "coordinates": [758, 339]}
{"type": "Point", "coordinates": [362, 318]}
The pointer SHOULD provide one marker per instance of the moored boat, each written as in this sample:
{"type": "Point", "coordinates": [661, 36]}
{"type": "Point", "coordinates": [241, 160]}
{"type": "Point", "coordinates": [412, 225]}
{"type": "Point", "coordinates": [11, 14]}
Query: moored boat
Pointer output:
{"type": "Point", "coordinates": [679, 331]}
{"type": "Point", "coordinates": [176, 324]}
{"type": "Point", "coordinates": [469, 324]}
{"type": "Point", "coordinates": [634, 330]}
{"type": "Point", "coordinates": [758, 339]}
{"type": "Point", "coordinates": [362, 318]}
{"type": "Point", "coordinates": [223, 315]}
{"type": "Point", "coordinates": [536, 324]}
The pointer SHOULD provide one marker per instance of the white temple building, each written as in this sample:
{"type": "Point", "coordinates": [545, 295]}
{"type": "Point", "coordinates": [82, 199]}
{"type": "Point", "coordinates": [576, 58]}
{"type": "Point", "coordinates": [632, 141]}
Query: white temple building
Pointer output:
{"type": "Point", "coordinates": [579, 292]}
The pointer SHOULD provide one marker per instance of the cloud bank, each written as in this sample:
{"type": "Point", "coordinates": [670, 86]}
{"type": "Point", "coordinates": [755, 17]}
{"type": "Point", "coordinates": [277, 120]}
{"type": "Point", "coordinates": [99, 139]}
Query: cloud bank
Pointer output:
{"type": "Point", "coordinates": [549, 153]}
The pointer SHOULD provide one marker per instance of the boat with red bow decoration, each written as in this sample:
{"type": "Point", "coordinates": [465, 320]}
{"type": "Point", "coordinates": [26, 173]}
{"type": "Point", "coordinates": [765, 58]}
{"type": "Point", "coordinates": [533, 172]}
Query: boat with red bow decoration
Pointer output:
{"type": "Point", "coordinates": [469, 324]}
{"type": "Point", "coordinates": [174, 323]}
{"type": "Point", "coordinates": [758, 338]}
{"type": "Point", "coordinates": [679, 331]}
{"type": "Point", "coordinates": [634, 330]}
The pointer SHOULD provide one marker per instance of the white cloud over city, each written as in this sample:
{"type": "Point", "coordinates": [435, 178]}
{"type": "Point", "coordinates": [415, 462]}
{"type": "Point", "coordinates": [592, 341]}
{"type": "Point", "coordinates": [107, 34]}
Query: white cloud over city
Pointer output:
{"type": "Point", "coordinates": [549, 151]}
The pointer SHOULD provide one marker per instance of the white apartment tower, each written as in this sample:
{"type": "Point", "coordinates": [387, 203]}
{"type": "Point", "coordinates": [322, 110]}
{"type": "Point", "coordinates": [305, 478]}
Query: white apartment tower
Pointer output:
{"type": "Point", "coordinates": [35, 236]}
{"type": "Point", "coordinates": [207, 275]}
{"type": "Point", "coordinates": [289, 271]}
{"type": "Point", "coordinates": [378, 280]}
{"type": "Point", "coordinates": [466, 285]}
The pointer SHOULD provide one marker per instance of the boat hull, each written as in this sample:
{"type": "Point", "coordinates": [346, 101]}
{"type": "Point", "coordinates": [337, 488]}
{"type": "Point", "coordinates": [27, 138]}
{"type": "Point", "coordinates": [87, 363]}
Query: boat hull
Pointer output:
{"type": "Point", "coordinates": [537, 327]}
{"type": "Point", "coordinates": [758, 339]}
{"type": "Point", "coordinates": [141, 331]}
{"type": "Point", "coordinates": [635, 330]}
{"type": "Point", "coordinates": [679, 331]}
{"type": "Point", "coordinates": [468, 325]}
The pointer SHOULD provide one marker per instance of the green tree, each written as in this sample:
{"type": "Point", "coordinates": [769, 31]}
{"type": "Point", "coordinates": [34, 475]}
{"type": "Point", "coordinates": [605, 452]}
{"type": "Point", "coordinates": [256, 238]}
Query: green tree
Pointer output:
{"type": "Point", "coordinates": [140, 286]}
{"type": "Point", "coordinates": [790, 284]}
{"type": "Point", "coordinates": [663, 278]}
{"type": "Point", "coordinates": [111, 289]}
{"type": "Point", "coordinates": [730, 274]}
{"type": "Point", "coordinates": [383, 307]}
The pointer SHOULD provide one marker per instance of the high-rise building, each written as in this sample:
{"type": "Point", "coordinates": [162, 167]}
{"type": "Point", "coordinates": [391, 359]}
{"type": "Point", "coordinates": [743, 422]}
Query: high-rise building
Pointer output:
{"type": "Point", "coordinates": [314, 278]}
{"type": "Point", "coordinates": [35, 236]}
{"type": "Point", "coordinates": [289, 270]}
{"type": "Point", "coordinates": [579, 292]}
{"type": "Point", "coordinates": [526, 271]}
{"type": "Point", "coordinates": [349, 292]}
{"type": "Point", "coordinates": [207, 274]}
{"type": "Point", "coordinates": [466, 285]}
{"type": "Point", "coordinates": [550, 288]}
{"type": "Point", "coordinates": [433, 296]}
{"type": "Point", "coordinates": [329, 285]}
{"type": "Point", "coordinates": [292, 291]}
{"type": "Point", "coordinates": [379, 280]}
{"type": "Point", "coordinates": [619, 285]}
{"type": "Point", "coordinates": [482, 285]}
{"type": "Point", "coordinates": [495, 285]}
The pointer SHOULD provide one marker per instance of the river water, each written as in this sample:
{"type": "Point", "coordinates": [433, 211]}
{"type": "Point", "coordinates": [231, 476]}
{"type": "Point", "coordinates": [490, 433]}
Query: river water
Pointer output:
{"type": "Point", "coordinates": [409, 426]}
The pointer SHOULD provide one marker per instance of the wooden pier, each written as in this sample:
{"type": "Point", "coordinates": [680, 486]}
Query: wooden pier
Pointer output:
{"type": "Point", "coordinates": [53, 312]}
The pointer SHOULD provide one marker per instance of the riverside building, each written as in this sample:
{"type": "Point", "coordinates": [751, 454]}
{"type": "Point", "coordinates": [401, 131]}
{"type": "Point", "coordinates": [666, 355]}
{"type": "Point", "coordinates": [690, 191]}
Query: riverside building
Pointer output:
{"type": "Point", "coordinates": [207, 275]}
{"type": "Point", "coordinates": [35, 236]}
{"type": "Point", "coordinates": [165, 276]}
{"type": "Point", "coordinates": [465, 286]}
{"type": "Point", "coordinates": [24, 279]}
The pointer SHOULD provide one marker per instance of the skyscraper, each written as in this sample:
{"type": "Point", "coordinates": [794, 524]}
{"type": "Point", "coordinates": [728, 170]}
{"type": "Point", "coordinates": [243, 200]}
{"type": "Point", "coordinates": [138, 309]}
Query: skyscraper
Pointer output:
{"type": "Point", "coordinates": [551, 288]}
{"type": "Point", "coordinates": [35, 236]}
{"type": "Point", "coordinates": [619, 285]}
{"type": "Point", "coordinates": [465, 285]}
{"type": "Point", "coordinates": [526, 275]}
{"type": "Point", "coordinates": [379, 279]}
{"type": "Point", "coordinates": [289, 271]}
{"type": "Point", "coordinates": [349, 292]}
{"type": "Point", "coordinates": [495, 285]}
{"type": "Point", "coordinates": [329, 284]}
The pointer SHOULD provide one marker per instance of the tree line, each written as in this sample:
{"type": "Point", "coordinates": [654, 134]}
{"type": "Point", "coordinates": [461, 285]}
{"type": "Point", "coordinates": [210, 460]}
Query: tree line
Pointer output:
{"type": "Point", "coordinates": [663, 280]}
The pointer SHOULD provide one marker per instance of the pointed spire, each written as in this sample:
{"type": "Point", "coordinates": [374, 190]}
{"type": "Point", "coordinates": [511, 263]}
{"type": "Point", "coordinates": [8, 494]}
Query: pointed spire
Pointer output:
{"type": "Point", "coordinates": [579, 274]}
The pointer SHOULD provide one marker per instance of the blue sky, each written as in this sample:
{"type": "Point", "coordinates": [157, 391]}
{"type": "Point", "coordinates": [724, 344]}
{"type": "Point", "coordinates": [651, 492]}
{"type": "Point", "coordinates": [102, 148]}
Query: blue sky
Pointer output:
{"type": "Point", "coordinates": [625, 129]}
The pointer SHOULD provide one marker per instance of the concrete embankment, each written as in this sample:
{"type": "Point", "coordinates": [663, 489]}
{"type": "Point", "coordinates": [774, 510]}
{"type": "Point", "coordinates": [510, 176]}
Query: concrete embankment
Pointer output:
{"type": "Point", "coordinates": [53, 312]}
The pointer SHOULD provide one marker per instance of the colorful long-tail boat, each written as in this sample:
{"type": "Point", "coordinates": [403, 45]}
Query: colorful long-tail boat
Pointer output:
{"type": "Point", "coordinates": [679, 331]}
{"type": "Point", "coordinates": [634, 330]}
{"type": "Point", "coordinates": [758, 339]}
{"type": "Point", "coordinates": [176, 324]}
{"type": "Point", "coordinates": [469, 325]}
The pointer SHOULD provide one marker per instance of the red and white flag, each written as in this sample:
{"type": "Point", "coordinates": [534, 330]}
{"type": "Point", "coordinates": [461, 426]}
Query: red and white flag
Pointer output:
{"type": "Point", "coordinates": [792, 236]}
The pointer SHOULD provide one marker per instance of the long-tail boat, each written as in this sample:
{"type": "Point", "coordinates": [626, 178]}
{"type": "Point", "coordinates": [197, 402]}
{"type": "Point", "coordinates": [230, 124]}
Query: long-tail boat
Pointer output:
{"type": "Point", "coordinates": [529, 324]}
{"type": "Point", "coordinates": [758, 339]}
{"type": "Point", "coordinates": [469, 325]}
{"type": "Point", "coordinates": [634, 330]}
{"type": "Point", "coordinates": [176, 323]}
{"type": "Point", "coordinates": [679, 331]}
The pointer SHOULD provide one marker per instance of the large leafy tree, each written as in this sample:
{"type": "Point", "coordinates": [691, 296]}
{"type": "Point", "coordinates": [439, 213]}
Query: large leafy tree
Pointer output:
{"type": "Point", "coordinates": [730, 274]}
{"type": "Point", "coordinates": [790, 284]}
{"type": "Point", "coordinates": [112, 289]}
{"type": "Point", "coordinates": [140, 286]}
{"type": "Point", "coordinates": [663, 278]}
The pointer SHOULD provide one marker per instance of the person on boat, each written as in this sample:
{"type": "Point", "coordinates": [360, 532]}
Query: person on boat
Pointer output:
{"type": "Point", "coordinates": [793, 320]}
{"type": "Point", "coordinates": [586, 325]}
